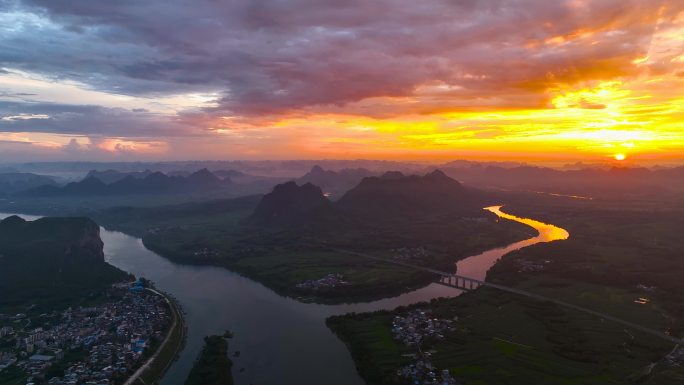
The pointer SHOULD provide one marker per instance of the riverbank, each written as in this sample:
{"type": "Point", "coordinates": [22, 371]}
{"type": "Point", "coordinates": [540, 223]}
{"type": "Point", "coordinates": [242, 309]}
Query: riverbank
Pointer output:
{"type": "Point", "coordinates": [282, 263]}
{"type": "Point", "coordinates": [301, 349]}
{"type": "Point", "coordinates": [497, 334]}
{"type": "Point", "coordinates": [153, 370]}
{"type": "Point", "coordinates": [215, 234]}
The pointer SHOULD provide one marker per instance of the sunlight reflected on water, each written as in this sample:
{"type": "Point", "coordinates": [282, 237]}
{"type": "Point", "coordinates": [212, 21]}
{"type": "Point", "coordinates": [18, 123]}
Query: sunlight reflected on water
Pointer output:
{"type": "Point", "coordinates": [478, 265]}
{"type": "Point", "coordinates": [547, 232]}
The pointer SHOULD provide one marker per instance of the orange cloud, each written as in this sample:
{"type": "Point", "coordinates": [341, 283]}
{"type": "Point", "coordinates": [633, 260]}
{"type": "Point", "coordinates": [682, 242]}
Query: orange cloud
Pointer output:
{"type": "Point", "coordinates": [118, 145]}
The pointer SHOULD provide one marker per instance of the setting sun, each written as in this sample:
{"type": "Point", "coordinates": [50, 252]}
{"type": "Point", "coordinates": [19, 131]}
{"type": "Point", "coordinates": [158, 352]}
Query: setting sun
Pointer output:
{"type": "Point", "coordinates": [620, 156]}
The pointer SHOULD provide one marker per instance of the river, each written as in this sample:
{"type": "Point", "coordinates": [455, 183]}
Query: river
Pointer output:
{"type": "Point", "coordinates": [281, 340]}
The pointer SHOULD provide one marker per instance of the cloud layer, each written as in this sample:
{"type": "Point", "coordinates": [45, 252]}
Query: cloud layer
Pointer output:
{"type": "Point", "coordinates": [269, 61]}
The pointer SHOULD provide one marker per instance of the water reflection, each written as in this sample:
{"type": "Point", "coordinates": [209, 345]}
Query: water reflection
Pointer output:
{"type": "Point", "coordinates": [478, 265]}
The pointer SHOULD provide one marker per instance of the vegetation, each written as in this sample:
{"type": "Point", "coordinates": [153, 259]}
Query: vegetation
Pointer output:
{"type": "Point", "coordinates": [12, 376]}
{"type": "Point", "coordinates": [501, 336]}
{"type": "Point", "coordinates": [612, 249]}
{"type": "Point", "coordinates": [216, 233]}
{"type": "Point", "coordinates": [52, 262]}
{"type": "Point", "coordinates": [213, 367]}
{"type": "Point", "coordinates": [170, 350]}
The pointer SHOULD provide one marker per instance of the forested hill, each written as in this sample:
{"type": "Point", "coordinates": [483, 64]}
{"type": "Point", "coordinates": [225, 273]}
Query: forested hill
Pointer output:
{"type": "Point", "coordinates": [52, 259]}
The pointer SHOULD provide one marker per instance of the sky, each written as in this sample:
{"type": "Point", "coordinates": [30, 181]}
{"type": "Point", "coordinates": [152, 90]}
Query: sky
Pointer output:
{"type": "Point", "coordinates": [524, 80]}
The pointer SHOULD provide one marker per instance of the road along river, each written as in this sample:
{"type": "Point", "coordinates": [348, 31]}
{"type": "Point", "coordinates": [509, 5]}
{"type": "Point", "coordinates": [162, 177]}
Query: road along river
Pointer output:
{"type": "Point", "coordinates": [280, 340]}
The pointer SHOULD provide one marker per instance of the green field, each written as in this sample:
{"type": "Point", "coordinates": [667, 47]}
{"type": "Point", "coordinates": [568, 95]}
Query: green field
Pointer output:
{"type": "Point", "coordinates": [505, 339]}
{"type": "Point", "coordinates": [215, 233]}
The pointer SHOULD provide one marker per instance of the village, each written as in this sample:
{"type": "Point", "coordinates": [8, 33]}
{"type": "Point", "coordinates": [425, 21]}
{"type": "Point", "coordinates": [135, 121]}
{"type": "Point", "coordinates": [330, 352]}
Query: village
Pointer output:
{"type": "Point", "coordinates": [328, 282]}
{"type": "Point", "coordinates": [529, 266]}
{"type": "Point", "coordinates": [414, 328]}
{"type": "Point", "coordinates": [98, 345]}
{"type": "Point", "coordinates": [409, 254]}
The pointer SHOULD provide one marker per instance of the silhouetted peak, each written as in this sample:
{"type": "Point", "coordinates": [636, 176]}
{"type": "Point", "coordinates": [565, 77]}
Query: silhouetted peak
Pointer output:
{"type": "Point", "coordinates": [392, 175]}
{"type": "Point", "coordinates": [288, 203]}
{"type": "Point", "coordinates": [285, 187]}
{"type": "Point", "coordinates": [291, 187]}
{"type": "Point", "coordinates": [91, 181]}
{"type": "Point", "coordinates": [437, 174]}
{"type": "Point", "coordinates": [13, 220]}
{"type": "Point", "coordinates": [203, 176]}
{"type": "Point", "coordinates": [317, 169]}
{"type": "Point", "coordinates": [157, 175]}
{"type": "Point", "coordinates": [203, 171]}
{"type": "Point", "coordinates": [310, 187]}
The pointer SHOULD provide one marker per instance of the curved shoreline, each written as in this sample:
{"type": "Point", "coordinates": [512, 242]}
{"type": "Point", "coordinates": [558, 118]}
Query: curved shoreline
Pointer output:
{"type": "Point", "coordinates": [177, 326]}
{"type": "Point", "coordinates": [266, 321]}
{"type": "Point", "coordinates": [477, 266]}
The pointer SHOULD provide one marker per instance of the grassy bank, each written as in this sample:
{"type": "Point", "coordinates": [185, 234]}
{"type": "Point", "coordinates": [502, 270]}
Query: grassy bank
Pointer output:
{"type": "Point", "coordinates": [213, 233]}
{"type": "Point", "coordinates": [500, 336]}
{"type": "Point", "coordinates": [168, 350]}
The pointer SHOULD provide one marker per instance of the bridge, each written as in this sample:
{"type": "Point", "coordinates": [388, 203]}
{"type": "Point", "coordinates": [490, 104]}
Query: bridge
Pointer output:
{"type": "Point", "coordinates": [468, 284]}
{"type": "Point", "coordinates": [459, 282]}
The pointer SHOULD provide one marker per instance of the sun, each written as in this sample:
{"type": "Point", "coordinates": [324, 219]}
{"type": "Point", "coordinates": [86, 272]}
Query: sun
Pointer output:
{"type": "Point", "coordinates": [620, 156]}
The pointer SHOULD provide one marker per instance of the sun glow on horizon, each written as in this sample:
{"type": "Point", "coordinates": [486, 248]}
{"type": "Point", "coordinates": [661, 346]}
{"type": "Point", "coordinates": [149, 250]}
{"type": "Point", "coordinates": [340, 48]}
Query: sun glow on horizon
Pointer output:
{"type": "Point", "coordinates": [578, 89]}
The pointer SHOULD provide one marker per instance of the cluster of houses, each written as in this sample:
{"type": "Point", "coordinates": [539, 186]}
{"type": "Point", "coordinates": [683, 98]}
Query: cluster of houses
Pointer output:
{"type": "Point", "coordinates": [205, 253]}
{"type": "Point", "coordinates": [104, 343]}
{"type": "Point", "coordinates": [675, 358]}
{"type": "Point", "coordinates": [646, 288]}
{"type": "Point", "coordinates": [528, 266]}
{"type": "Point", "coordinates": [7, 359]}
{"type": "Point", "coordinates": [417, 325]}
{"type": "Point", "coordinates": [412, 329]}
{"type": "Point", "coordinates": [164, 229]}
{"type": "Point", "coordinates": [410, 254]}
{"type": "Point", "coordinates": [328, 282]}
{"type": "Point", "coordinates": [6, 330]}
{"type": "Point", "coordinates": [422, 372]}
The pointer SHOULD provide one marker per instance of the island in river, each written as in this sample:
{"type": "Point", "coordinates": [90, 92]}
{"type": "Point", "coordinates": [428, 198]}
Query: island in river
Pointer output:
{"type": "Point", "coordinates": [213, 367]}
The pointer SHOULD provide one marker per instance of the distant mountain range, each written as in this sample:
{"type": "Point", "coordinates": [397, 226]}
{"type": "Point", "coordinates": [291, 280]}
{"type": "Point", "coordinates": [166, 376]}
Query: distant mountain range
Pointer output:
{"type": "Point", "coordinates": [392, 196]}
{"type": "Point", "coordinates": [111, 176]}
{"type": "Point", "coordinates": [577, 180]}
{"type": "Point", "coordinates": [335, 183]}
{"type": "Point", "coordinates": [597, 182]}
{"type": "Point", "coordinates": [51, 258]}
{"type": "Point", "coordinates": [14, 182]}
{"type": "Point", "coordinates": [141, 183]}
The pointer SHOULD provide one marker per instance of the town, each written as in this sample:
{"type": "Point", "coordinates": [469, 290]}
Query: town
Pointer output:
{"type": "Point", "coordinates": [328, 282]}
{"type": "Point", "coordinates": [99, 345]}
{"type": "Point", "coordinates": [410, 254]}
{"type": "Point", "coordinates": [413, 329]}
{"type": "Point", "coordinates": [417, 326]}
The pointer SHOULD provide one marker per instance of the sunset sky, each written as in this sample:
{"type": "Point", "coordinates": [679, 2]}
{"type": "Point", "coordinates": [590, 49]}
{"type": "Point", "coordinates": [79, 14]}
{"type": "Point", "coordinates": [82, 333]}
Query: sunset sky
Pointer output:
{"type": "Point", "coordinates": [528, 80]}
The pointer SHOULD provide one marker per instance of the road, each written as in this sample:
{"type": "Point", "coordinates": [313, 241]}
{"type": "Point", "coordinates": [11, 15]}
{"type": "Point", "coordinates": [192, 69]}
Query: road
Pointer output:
{"type": "Point", "coordinates": [523, 293]}
{"type": "Point", "coordinates": [135, 376]}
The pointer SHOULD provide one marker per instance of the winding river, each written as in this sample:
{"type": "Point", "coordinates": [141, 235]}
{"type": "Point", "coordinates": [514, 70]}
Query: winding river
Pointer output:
{"type": "Point", "coordinates": [281, 340]}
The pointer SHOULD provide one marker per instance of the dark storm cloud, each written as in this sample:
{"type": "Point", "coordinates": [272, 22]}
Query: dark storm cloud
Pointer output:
{"type": "Point", "coordinates": [85, 120]}
{"type": "Point", "coordinates": [267, 57]}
